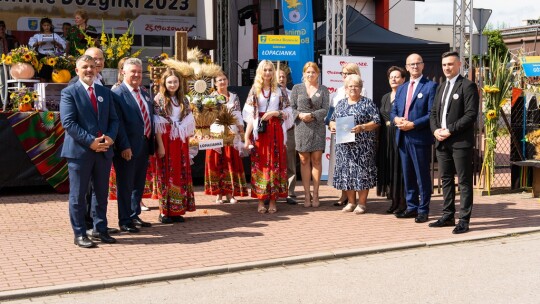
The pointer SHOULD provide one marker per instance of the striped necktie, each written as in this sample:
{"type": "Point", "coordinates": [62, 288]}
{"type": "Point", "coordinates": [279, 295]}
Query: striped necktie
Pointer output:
{"type": "Point", "coordinates": [144, 113]}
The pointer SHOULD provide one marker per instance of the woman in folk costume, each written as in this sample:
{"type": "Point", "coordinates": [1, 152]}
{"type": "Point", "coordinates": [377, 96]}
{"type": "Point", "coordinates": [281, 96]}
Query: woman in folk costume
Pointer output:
{"type": "Point", "coordinates": [268, 117]}
{"type": "Point", "coordinates": [174, 125]}
{"type": "Point", "coordinates": [224, 171]}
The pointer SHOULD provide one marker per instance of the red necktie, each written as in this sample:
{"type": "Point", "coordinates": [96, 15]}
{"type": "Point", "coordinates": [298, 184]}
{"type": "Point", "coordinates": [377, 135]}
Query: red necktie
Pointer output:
{"type": "Point", "coordinates": [93, 98]}
{"type": "Point", "coordinates": [144, 113]}
{"type": "Point", "coordinates": [409, 100]}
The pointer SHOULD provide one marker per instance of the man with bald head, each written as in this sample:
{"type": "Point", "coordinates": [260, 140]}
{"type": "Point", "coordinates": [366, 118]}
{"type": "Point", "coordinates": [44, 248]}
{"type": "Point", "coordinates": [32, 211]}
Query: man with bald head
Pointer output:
{"type": "Point", "coordinates": [99, 60]}
{"type": "Point", "coordinates": [410, 115]}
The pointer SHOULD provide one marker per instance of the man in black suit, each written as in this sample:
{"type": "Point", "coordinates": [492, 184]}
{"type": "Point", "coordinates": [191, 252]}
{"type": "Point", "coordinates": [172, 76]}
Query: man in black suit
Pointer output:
{"type": "Point", "coordinates": [135, 143]}
{"type": "Point", "coordinates": [452, 121]}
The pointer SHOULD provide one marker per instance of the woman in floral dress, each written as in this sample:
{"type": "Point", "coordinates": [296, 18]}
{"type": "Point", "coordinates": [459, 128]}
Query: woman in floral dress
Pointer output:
{"type": "Point", "coordinates": [224, 171]}
{"type": "Point", "coordinates": [356, 170]}
{"type": "Point", "coordinates": [268, 117]}
{"type": "Point", "coordinates": [174, 125]}
{"type": "Point", "coordinates": [76, 36]}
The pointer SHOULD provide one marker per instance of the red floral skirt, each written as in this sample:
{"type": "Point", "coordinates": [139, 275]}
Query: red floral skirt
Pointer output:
{"type": "Point", "coordinates": [173, 178]}
{"type": "Point", "coordinates": [224, 173]}
{"type": "Point", "coordinates": [269, 163]}
{"type": "Point", "coordinates": [149, 185]}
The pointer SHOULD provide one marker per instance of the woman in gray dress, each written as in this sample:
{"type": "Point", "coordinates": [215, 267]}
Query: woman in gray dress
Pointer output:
{"type": "Point", "coordinates": [309, 103]}
{"type": "Point", "coordinates": [356, 170]}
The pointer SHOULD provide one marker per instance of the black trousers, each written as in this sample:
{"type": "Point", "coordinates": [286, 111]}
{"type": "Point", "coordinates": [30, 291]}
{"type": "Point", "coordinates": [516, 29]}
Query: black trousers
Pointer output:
{"type": "Point", "coordinates": [456, 161]}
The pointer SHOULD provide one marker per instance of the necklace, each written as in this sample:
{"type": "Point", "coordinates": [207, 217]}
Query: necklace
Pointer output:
{"type": "Point", "coordinates": [269, 94]}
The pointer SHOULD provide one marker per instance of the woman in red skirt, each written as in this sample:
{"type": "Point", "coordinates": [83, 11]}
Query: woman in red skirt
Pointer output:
{"type": "Point", "coordinates": [224, 171]}
{"type": "Point", "coordinates": [174, 125]}
{"type": "Point", "coordinates": [268, 117]}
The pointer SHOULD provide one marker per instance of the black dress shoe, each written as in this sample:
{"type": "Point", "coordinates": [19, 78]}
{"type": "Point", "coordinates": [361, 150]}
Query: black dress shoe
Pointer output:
{"type": "Point", "coordinates": [104, 237]}
{"type": "Point", "coordinates": [421, 218]}
{"type": "Point", "coordinates": [291, 201]}
{"type": "Point", "coordinates": [112, 230]}
{"type": "Point", "coordinates": [407, 214]}
{"type": "Point", "coordinates": [84, 242]}
{"type": "Point", "coordinates": [137, 221]}
{"type": "Point", "coordinates": [461, 227]}
{"type": "Point", "coordinates": [443, 222]}
{"type": "Point", "coordinates": [178, 219]}
{"type": "Point", "coordinates": [391, 209]}
{"type": "Point", "coordinates": [342, 203]}
{"type": "Point", "coordinates": [165, 219]}
{"type": "Point", "coordinates": [129, 228]}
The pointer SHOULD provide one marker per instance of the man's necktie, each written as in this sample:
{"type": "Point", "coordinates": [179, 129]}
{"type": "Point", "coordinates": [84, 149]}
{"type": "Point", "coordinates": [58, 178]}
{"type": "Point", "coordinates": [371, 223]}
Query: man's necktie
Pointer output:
{"type": "Point", "coordinates": [144, 113]}
{"type": "Point", "coordinates": [409, 100]}
{"type": "Point", "coordinates": [93, 98]}
{"type": "Point", "coordinates": [444, 102]}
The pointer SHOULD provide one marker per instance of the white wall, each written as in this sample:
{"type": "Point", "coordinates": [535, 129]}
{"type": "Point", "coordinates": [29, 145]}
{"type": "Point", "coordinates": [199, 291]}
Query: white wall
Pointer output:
{"type": "Point", "coordinates": [435, 32]}
{"type": "Point", "coordinates": [402, 17]}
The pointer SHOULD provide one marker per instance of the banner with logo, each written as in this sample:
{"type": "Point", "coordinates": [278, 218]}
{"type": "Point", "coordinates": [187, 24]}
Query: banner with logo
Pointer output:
{"type": "Point", "coordinates": [298, 21]}
{"type": "Point", "coordinates": [332, 79]}
{"type": "Point", "coordinates": [531, 65]}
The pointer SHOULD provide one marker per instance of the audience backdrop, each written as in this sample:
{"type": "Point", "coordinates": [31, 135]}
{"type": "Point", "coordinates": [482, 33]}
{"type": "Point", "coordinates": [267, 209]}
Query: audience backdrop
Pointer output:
{"type": "Point", "coordinates": [332, 79]}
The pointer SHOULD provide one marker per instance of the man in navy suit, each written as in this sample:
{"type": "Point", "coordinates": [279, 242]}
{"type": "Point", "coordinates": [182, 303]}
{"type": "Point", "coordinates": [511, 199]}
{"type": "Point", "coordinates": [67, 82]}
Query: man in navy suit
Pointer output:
{"type": "Point", "coordinates": [452, 122]}
{"type": "Point", "coordinates": [135, 143]}
{"type": "Point", "coordinates": [90, 122]}
{"type": "Point", "coordinates": [410, 115]}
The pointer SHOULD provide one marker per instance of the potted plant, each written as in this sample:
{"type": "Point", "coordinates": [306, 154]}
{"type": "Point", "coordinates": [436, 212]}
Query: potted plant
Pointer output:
{"type": "Point", "coordinates": [62, 65]}
{"type": "Point", "coordinates": [23, 61]}
{"type": "Point", "coordinates": [22, 99]}
{"type": "Point", "coordinates": [495, 94]}
{"type": "Point", "coordinates": [115, 48]}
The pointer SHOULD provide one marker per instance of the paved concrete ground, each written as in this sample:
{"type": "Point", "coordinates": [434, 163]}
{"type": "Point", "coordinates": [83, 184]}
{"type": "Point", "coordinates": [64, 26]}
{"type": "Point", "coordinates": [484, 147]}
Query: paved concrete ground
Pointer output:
{"type": "Point", "coordinates": [38, 255]}
{"type": "Point", "coordinates": [500, 270]}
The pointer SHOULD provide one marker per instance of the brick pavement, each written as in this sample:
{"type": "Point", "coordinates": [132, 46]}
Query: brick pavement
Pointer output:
{"type": "Point", "coordinates": [37, 250]}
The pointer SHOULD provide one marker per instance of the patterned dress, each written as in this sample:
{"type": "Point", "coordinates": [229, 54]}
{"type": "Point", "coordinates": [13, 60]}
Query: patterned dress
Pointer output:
{"type": "Point", "coordinates": [76, 39]}
{"type": "Point", "coordinates": [173, 171]}
{"type": "Point", "coordinates": [310, 136]}
{"type": "Point", "coordinates": [224, 170]}
{"type": "Point", "coordinates": [269, 156]}
{"type": "Point", "coordinates": [355, 161]}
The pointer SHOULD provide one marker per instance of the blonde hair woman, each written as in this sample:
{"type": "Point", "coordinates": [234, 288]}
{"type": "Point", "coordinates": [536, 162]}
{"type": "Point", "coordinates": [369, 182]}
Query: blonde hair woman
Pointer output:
{"type": "Point", "coordinates": [268, 117]}
{"type": "Point", "coordinates": [309, 103]}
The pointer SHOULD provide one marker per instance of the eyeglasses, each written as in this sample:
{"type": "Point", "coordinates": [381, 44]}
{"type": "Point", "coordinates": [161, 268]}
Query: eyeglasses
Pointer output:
{"type": "Point", "coordinates": [415, 64]}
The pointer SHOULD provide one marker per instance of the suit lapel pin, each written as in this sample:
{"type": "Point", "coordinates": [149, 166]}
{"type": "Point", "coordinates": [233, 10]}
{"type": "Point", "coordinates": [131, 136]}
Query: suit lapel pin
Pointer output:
{"type": "Point", "coordinates": [455, 96]}
{"type": "Point", "coordinates": [100, 99]}
{"type": "Point", "coordinates": [147, 98]}
{"type": "Point", "coordinates": [317, 94]}
{"type": "Point", "coordinates": [420, 95]}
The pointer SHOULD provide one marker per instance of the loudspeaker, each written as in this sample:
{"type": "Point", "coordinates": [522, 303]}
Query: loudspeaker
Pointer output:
{"type": "Point", "coordinates": [319, 10]}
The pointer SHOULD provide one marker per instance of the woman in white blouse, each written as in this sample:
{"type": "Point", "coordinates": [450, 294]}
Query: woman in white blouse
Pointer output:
{"type": "Point", "coordinates": [268, 117]}
{"type": "Point", "coordinates": [47, 42]}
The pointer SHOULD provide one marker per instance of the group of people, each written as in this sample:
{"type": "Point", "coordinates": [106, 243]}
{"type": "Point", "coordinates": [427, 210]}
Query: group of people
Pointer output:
{"type": "Point", "coordinates": [126, 127]}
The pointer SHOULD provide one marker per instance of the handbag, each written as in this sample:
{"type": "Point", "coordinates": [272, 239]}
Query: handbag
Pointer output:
{"type": "Point", "coordinates": [263, 124]}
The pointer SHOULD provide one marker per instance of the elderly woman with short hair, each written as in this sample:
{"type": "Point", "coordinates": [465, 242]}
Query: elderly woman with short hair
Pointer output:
{"type": "Point", "coordinates": [356, 170]}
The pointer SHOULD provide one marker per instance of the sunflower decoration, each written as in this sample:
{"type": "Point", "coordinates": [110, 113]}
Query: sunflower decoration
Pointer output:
{"type": "Point", "coordinates": [491, 114]}
{"type": "Point", "coordinates": [22, 54]}
{"type": "Point", "coordinates": [23, 96]}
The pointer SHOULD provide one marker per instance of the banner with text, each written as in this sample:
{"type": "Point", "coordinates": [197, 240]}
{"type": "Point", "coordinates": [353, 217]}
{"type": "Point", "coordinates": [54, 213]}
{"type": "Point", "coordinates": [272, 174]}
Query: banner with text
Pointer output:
{"type": "Point", "coordinates": [279, 47]}
{"type": "Point", "coordinates": [332, 79]}
{"type": "Point", "coordinates": [298, 20]}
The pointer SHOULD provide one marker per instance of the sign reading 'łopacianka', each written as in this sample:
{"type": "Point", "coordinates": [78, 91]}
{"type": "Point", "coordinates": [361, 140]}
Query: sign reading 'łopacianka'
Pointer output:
{"type": "Point", "coordinates": [279, 47]}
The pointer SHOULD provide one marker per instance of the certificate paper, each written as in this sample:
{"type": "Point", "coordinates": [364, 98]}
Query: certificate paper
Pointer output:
{"type": "Point", "coordinates": [343, 129]}
{"type": "Point", "coordinates": [47, 37]}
